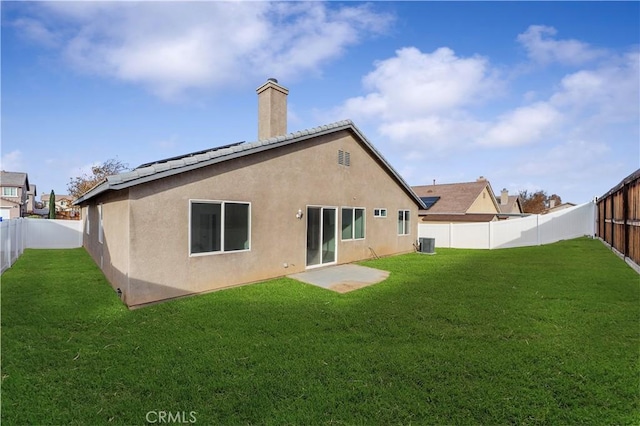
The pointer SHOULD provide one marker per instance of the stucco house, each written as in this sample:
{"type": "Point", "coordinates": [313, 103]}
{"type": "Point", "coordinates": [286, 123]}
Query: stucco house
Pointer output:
{"type": "Point", "coordinates": [14, 188]}
{"type": "Point", "coordinates": [510, 205]}
{"type": "Point", "coordinates": [458, 202]}
{"type": "Point", "coordinates": [31, 199]}
{"type": "Point", "coordinates": [247, 212]}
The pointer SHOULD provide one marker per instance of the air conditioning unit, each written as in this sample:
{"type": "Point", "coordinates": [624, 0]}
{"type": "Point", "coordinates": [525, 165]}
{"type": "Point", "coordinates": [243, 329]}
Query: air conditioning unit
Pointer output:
{"type": "Point", "coordinates": [427, 245]}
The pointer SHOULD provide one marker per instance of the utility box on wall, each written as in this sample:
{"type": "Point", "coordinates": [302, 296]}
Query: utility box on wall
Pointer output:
{"type": "Point", "coordinates": [427, 245]}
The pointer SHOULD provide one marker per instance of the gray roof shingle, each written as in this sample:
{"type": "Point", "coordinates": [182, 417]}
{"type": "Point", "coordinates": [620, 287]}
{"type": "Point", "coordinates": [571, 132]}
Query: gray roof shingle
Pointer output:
{"type": "Point", "coordinates": [157, 170]}
{"type": "Point", "coordinates": [454, 197]}
{"type": "Point", "coordinates": [13, 179]}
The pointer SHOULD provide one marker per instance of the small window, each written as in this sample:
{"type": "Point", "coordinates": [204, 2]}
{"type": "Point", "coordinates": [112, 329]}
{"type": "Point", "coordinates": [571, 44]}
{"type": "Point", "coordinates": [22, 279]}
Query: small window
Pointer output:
{"type": "Point", "coordinates": [88, 219]}
{"type": "Point", "coordinates": [353, 223]}
{"type": "Point", "coordinates": [219, 226]}
{"type": "Point", "coordinates": [403, 222]}
{"type": "Point", "coordinates": [9, 192]}
{"type": "Point", "coordinates": [100, 230]}
{"type": "Point", "coordinates": [379, 212]}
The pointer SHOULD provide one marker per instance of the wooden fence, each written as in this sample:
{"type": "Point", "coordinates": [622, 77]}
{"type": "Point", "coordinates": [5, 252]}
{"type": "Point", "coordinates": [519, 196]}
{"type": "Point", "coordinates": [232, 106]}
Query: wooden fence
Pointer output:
{"type": "Point", "coordinates": [619, 218]}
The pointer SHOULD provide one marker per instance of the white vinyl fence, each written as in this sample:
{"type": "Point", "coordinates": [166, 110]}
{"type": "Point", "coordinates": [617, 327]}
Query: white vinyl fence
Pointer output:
{"type": "Point", "coordinates": [18, 234]}
{"type": "Point", "coordinates": [11, 241]}
{"type": "Point", "coordinates": [532, 230]}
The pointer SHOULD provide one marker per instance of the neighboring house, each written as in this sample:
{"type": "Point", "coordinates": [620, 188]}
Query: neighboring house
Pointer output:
{"type": "Point", "coordinates": [64, 206]}
{"type": "Point", "coordinates": [459, 202]}
{"type": "Point", "coordinates": [247, 212]}
{"type": "Point", "coordinates": [509, 204]}
{"type": "Point", "coordinates": [31, 199]}
{"type": "Point", "coordinates": [554, 208]}
{"type": "Point", "coordinates": [13, 194]}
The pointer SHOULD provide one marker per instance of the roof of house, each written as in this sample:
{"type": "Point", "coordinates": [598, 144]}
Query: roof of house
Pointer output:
{"type": "Point", "coordinates": [506, 208]}
{"type": "Point", "coordinates": [454, 197]}
{"type": "Point", "coordinates": [59, 197]}
{"type": "Point", "coordinates": [160, 169]}
{"type": "Point", "coordinates": [13, 179]}
{"type": "Point", "coordinates": [558, 207]}
{"type": "Point", "coordinates": [467, 217]}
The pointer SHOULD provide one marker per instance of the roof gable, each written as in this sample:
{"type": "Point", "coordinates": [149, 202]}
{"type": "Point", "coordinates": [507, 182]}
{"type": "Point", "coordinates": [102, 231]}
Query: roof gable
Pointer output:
{"type": "Point", "coordinates": [14, 179]}
{"type": "Point", "coordinates": [513, 201]}
{"type": "Point", "coordinates": [160, 169]}
{"type": "Point", "coordinates": [454, 197]}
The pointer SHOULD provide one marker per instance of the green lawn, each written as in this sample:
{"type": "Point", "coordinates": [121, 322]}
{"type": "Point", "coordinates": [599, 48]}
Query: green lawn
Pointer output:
{"type": "Point", "coordinates": [539, 335]}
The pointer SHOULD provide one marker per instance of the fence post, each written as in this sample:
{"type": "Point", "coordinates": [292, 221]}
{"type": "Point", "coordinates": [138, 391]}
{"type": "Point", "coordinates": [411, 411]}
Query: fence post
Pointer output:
{"type": "Point", "coordinates": [538, 229]}
{"type": "Point", "coordinates": [490, 234]}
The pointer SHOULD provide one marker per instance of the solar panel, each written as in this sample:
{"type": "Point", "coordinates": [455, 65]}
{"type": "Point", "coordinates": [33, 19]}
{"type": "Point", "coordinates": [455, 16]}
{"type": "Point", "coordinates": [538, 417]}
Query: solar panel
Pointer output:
{"type": "Point", "coordinates": [191, 154]}
{"type": "Point", "coordinates": [429, 201]}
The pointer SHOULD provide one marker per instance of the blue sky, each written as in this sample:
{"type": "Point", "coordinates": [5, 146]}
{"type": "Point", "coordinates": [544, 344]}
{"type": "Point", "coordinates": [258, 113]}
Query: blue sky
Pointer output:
{"type": "Point", "coordinates": [531, 95]}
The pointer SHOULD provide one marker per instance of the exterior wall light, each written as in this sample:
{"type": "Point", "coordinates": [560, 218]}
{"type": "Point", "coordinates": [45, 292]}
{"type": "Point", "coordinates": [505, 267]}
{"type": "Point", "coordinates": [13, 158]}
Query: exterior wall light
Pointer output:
{"type": "Point", "coordinates": [299, 214]}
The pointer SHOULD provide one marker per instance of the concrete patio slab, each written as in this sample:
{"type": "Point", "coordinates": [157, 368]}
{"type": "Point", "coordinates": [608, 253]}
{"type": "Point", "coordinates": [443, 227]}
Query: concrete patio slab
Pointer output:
{"type": "Point", "coordinates": [342, 278]}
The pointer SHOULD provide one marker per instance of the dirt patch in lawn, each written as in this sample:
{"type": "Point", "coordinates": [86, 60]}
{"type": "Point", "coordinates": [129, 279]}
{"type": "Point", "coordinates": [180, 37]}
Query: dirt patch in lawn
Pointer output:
{"type": "Point", "coordinates": [347, 286]}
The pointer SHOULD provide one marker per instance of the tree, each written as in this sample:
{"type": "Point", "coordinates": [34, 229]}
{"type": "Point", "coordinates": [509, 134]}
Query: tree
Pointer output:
{"type": "Point", "coordinates": [81, 184]}
{"type": "Point", "coordinates": [537, 202]}
{"type": "Point", "coordinates": [52, 205]}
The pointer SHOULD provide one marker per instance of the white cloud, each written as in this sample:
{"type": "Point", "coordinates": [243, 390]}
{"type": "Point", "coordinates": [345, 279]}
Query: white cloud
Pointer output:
{"type": "Point", "coordinates": [12, 162]}
{"type": "Point", "coordinates": [419, 99]}
{"type": "Point", "coordinates": [541, 47]}
{"type": "Point", "coordinates": [36, 31]}
{"type": "Point", "coordinates": [608, 93]}
{"type": "Point", "coordinates": [522, 126]}
{"type": "Point", "coordinates": [171, 48]}
{"type": "Point", "coordinates": [435, 112]}
{"type": "Point", "coordinates": [414, 84]}
{"type": "Point", "coordinates": [435, 134]}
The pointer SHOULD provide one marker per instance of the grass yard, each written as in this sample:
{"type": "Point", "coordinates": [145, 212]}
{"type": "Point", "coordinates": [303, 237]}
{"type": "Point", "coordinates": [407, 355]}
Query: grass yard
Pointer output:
{"type": "Point", "coordinates": [538, 335]}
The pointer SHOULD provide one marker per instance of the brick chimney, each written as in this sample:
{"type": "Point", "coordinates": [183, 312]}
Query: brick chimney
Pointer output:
{"type": "Point", "coordinates": [504, 197]}
{"type": "Point", "coordinates": [272, 109]}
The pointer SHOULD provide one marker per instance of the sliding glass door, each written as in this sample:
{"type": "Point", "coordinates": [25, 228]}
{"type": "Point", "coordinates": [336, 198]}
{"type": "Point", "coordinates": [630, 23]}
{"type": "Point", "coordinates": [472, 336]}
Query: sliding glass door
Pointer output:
{"type": "Point", "coordinates": [321, 235]}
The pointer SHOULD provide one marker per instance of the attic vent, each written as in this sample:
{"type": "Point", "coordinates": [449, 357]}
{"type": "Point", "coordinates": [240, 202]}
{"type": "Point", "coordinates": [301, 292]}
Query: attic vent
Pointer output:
{"type": "Point", "coordinates": [344, 158]}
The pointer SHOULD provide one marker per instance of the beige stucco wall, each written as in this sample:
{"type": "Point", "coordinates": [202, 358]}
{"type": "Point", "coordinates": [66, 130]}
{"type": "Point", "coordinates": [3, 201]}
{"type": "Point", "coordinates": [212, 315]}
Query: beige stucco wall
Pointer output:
{"type": "Point", "coordinates": [146, 229]}
{"type": "Point", "coordinates": [17, 206]}
{"type": "Point", "coordinates": [483, 204]}
{"type": "Point", "coordinates": [13, 209]}
{"type": "Point", "coordinates": [112, 255]}
{"type": "Point", "coordinates": [515, 209]}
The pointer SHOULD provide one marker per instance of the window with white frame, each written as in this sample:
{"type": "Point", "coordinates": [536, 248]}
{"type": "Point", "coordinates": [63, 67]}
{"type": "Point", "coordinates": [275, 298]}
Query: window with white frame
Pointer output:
{"type": "Point", "coordinates": [219, 226]}
{"type": "Point", "coordinates": [100, 230]}
{"type": "Point", "coordinates": [379, 212]}
{"type": "Point", "coordinates": [9, 191]}
{"type": "Point", "coordinates": [403, 222]}
{"type": "Point", "coordinates": [353, 223]}
{"type": "Point", "coordinates": [88, 222]}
